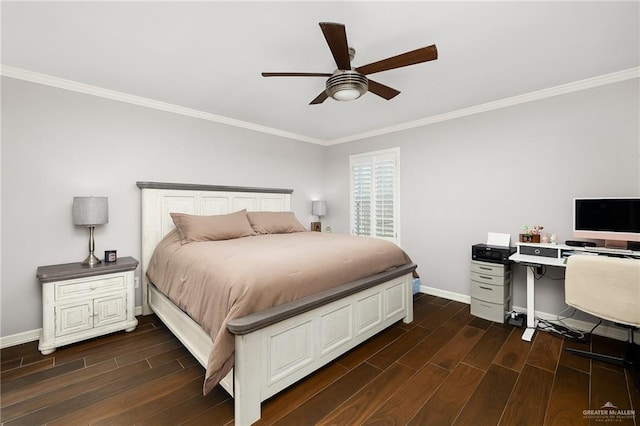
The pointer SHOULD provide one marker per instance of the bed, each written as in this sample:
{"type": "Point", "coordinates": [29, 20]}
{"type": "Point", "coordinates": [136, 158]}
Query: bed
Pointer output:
{"type": "Point", "coordinates": [277, 346]}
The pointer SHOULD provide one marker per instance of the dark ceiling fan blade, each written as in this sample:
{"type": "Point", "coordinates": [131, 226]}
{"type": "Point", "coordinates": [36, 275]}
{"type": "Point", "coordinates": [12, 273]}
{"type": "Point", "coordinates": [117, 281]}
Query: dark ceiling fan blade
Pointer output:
{"type": "Point", "coordinates": [296, 74]}
{"type": "Point", "coordinates": [320, 98]}
{"type": "Point", "coordinates": [382, 90]}
{"type": "Point", "coordinates": [336, 37]}
{"type": "Point", "coordinates": [417, 56]}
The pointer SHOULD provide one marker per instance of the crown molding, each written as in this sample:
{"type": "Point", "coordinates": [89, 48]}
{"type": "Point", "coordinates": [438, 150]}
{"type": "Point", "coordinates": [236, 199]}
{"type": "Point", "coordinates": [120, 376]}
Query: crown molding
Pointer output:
{"type": "Point", "coordinates": [502, 103]}
{"type": "Point", "coordinates": [88, 89]}
{"type": "Point", "coordinates": [48, 80]}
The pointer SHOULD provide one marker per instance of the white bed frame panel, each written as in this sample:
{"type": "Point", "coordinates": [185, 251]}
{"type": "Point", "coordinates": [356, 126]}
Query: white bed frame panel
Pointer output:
{"type": "Point", "coordinates": [269, 359]}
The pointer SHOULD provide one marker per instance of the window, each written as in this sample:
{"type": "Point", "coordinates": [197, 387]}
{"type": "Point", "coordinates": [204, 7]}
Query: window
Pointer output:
{"type": "Point", "coordinates": [375, 194]}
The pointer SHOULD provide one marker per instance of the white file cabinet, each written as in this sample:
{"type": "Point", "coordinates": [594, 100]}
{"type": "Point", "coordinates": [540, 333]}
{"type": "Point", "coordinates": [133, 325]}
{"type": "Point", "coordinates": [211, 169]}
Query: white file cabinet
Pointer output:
{"type": "Point", "coordinates": [79, 302]}
{"type": "Point", "coordinates": [491, 290]}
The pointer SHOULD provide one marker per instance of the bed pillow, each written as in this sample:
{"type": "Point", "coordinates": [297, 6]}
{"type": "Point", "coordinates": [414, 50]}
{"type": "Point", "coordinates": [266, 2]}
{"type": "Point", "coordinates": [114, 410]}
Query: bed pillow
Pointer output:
{"type": "Point", "coordinates": [212, 228]}
{"type": "Point", "coordinates": [274, 222]}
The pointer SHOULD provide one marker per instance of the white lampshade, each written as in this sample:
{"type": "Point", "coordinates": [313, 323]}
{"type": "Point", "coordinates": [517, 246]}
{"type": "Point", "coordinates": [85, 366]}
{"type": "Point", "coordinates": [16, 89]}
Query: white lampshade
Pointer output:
{"type": "Point", "coordinates": [319, 208]}
{"type": "Point", "coordinates": [90, 211]}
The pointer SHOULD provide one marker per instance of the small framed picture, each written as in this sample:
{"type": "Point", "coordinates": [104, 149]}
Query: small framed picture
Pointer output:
{"type": "Point", "coordinates": [110, 256]}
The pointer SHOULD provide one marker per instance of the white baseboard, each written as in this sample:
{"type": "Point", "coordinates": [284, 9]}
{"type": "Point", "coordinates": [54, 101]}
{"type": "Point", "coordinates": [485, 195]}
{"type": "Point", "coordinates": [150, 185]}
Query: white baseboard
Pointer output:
{"type": "Point", "coordinates": [445, 294]}
{"type": "Point", "coordinates": [603, 329]}
{"type": "Point", "coordinates": [20, 338]}
{"type": "Point", "coordinates": [32, 335]}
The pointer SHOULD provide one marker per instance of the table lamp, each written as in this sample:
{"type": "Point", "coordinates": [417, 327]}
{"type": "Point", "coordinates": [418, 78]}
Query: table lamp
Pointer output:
{"type": "Point", "coordinates": [89, 212]}
{"type": "Point", "coordinates": [318, 208]}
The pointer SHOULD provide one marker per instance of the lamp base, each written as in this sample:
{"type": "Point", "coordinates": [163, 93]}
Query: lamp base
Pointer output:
{"type": "Point", "coordinates": [91, 261]}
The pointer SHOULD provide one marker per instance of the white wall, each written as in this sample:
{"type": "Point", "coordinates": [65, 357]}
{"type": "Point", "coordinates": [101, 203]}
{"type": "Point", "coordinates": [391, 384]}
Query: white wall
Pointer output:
{"type": "Point", "coordinates": [57, 144]}
{"type": "Point", "coordinates": [498, 171]}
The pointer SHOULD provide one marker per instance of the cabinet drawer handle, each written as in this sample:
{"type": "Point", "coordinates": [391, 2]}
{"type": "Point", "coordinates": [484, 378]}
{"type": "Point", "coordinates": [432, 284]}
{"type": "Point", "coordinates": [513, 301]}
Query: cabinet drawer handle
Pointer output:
{"type": "Point", "coordinates": [93, 287]}
{"type": "Point", "coordinates": [95, 314]}
{"type": "Point", "coordinates": [485, 268]}
{"type": "Point", "coordinates": [485, 288]}
{"type": "Point", "coordinates": [485, 277]}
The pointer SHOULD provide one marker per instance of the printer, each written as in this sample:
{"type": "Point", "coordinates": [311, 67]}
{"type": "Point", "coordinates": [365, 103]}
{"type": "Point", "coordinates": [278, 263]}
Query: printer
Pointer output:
{"type": "Point", "coordinates": [491, 254]}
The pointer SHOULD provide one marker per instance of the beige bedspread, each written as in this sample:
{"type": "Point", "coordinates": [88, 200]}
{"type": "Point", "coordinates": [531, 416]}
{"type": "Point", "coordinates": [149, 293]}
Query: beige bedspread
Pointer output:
{"type": "Point", "coordinates": [216, 281]}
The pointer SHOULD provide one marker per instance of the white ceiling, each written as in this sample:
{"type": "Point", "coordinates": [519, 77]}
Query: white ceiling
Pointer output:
{"type": "Point", "coordinates": [208, 56]}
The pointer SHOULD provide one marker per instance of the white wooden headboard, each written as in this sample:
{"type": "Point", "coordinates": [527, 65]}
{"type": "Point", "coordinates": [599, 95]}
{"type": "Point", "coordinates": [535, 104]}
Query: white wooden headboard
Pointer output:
{"type": "Point", "coordinates": [160, 199]}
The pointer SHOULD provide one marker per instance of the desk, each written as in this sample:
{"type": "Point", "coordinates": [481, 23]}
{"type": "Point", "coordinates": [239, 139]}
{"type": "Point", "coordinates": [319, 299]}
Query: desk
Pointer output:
{"type": "Point", "coordinates": [532, 255]}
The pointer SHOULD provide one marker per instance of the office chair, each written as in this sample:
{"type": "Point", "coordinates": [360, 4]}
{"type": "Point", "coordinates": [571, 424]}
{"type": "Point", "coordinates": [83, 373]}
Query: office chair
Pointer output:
{"type": "Point", "coordinates": [609, 288]}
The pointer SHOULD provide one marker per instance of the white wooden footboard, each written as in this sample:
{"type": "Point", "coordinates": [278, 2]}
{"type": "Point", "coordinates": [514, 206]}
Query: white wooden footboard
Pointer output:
{"type": "Point", "coordinates": [271, 358]}
{"type": "Point", "coordinates": [274, 357]}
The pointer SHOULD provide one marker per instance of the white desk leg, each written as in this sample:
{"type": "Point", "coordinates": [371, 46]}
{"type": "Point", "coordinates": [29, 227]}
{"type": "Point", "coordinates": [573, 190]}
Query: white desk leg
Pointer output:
{"type": "Point", "coordinates": [531, 325]}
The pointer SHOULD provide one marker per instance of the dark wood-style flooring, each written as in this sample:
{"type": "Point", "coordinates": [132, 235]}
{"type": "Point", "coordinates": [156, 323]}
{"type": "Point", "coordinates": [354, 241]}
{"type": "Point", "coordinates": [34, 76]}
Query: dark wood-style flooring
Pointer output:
{"type": "Point", "coordinates": [447, 367]}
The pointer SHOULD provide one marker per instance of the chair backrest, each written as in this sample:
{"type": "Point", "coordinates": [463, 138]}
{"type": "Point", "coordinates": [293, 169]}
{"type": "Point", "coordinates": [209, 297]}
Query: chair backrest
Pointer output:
{"type": "Point", "coordinates": [607, 287]}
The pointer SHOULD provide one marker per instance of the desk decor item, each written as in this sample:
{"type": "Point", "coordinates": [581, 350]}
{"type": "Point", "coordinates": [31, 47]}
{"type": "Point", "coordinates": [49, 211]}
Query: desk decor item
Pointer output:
{"type": "Point", "coordinates": [89, 212]}
{"type": "Point", "coordinates": [530, 235]}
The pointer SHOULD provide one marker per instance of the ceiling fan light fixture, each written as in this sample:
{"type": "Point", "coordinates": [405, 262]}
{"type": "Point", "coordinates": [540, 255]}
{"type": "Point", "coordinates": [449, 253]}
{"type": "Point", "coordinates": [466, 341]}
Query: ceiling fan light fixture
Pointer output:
{"type": "Point", "coordinates": [347, 85]}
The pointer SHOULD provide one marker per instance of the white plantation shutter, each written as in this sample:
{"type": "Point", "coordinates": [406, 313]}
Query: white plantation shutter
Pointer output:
{"type": "Point", "coordinates": [361, 204]}
{"type": "Point", "coordinates": [375, 194]}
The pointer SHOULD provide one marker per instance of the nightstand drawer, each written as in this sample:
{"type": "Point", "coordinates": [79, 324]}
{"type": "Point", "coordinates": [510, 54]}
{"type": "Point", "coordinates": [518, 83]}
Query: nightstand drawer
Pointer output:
{"type": "Point", "coordinates": [89, 287]}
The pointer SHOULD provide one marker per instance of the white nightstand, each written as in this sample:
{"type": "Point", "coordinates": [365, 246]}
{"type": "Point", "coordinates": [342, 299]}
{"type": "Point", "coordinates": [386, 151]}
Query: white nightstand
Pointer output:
{"type": "Point", "coordinates": [79, 302]}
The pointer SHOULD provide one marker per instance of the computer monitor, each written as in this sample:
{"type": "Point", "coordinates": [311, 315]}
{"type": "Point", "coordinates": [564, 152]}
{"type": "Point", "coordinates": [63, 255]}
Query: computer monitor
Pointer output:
{"type": "Point", "coordinates": [614, 219]}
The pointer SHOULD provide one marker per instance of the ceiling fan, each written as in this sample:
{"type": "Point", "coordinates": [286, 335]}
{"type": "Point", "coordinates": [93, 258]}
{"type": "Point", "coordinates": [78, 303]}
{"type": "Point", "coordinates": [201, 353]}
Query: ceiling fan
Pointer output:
{"type": "Point", "coordinates": [347, 83]}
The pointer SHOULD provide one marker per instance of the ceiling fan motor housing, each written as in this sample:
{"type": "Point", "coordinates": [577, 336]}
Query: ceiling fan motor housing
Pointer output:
{"type": "Point", "coordinates": [346, 85]}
